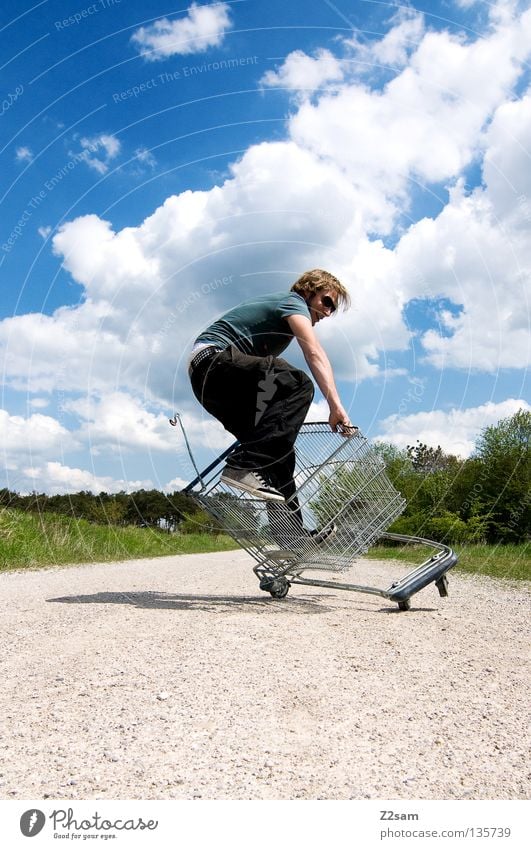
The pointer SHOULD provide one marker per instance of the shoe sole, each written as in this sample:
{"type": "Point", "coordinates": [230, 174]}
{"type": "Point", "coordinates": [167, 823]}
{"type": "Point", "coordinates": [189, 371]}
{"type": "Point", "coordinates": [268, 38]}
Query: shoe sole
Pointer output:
{"type": "Point", "coordinates": [330, 535]}
{"type": "Point", "coordinates": [256, 492]}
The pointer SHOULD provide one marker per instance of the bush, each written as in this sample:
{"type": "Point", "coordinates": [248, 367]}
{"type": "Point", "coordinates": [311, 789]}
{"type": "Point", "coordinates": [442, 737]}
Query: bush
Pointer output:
{"type": "Point", "coordinates": [447, 528]}
{"type": "Point", "coordinates": [199, 522]}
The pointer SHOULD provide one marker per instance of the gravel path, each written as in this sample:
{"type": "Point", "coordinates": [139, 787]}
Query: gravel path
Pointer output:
{"type": "Point", "coordinates": [176, 678]}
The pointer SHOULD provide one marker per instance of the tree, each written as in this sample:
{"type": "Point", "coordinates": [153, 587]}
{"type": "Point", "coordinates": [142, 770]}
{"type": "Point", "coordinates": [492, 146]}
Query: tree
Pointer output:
{"type": "Point", "coordinates": [426, 459]}
{"type": "Point", "coordinates": [146, 507]}
{"type": "Point", "coordinates": [504, 480]}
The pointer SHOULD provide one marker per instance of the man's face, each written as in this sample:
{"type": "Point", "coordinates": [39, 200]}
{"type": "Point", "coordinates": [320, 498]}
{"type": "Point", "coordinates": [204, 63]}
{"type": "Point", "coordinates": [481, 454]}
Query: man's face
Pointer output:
{"type": "Point", "coordinates": [321, 305]}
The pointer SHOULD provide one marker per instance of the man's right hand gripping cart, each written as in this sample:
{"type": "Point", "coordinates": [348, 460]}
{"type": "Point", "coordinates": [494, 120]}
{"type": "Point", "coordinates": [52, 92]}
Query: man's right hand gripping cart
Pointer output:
{"type": "Point", "coordinates": [347, 503]}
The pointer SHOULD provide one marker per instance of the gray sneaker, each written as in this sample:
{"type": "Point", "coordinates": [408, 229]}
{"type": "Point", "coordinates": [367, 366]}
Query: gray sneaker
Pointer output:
{"type": "Point", "coordinates": [250, 481]}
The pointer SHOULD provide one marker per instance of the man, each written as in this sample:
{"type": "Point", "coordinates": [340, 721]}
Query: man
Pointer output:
{"type": "Point", "coordinates": [238, 377]}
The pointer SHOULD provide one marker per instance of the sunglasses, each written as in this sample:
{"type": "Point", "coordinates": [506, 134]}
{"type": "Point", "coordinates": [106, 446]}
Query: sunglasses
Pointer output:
{"type": "Point", "coordinates": [328, 302]}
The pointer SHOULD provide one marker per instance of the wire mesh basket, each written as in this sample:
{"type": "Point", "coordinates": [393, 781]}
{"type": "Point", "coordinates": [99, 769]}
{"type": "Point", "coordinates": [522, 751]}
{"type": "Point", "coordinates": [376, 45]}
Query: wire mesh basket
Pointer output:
{"type": "Point", "coordinates": [340, 479]}
{"type": "Point", "coordinates": [346, 502]}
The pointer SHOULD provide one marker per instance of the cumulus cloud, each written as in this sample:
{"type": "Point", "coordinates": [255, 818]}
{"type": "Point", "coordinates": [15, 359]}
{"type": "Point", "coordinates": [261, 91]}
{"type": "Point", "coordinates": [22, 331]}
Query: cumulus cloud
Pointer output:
{"type": "Point", "coordinates": [315, 199]}
{"type": "Point", "coordinates": [201, 28]}
{"type": "Point", "coordinates": [477, 253]}
{"type": "Point", "coordinates": [31, 441]}
{"type": "Point", "coordinates": [456, 430]}
{"type": "Point", "coordinates": [427, 122]}
{"type": "Point", "coordinates": [115, 427]}
{"type": "Point", "coordinates": [175, 484]}
{"type": "Point", "coordinates": [119, 422]}
{"type": "Point", "coordinates": [57, 479]}
{"type": "Point", "coordinates": [395, 47]}
{"type": "Point", "coordinates": [318, 411]}
{"type": "Point", "coordinates": [35, 436]}
{"type": "Point", "coordinates": [301, 72]}
{"type": "Point", "coordinates": [149, 288]}
{"type": "Point", "coordinates": [70, 350]}
{"type": "Point", "coordinates": [507, 162]}
{"type": "Point", "coordinates": [329, 195]}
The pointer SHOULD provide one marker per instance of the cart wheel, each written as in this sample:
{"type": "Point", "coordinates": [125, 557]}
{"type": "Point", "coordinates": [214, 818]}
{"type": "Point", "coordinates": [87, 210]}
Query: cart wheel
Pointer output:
{"type": "Point", "coordinates": [404, 605]}
{"type": "Point", "coordinates": [280, 588]}
{"type": "Point", "coordinates": [277, 587]}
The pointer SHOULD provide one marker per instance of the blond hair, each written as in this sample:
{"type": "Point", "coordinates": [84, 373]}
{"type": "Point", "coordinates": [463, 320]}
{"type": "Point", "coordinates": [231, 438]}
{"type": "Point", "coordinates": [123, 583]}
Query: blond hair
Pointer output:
{"type": "Point", "coordinates": [317, 280]}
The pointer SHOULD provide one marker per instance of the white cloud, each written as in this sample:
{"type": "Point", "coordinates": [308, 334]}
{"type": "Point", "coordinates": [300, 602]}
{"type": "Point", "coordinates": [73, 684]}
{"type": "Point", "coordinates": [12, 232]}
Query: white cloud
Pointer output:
{"type": "Point", "coordinates": [320, 198]}
{"type": "Point", "coordinates": [300, 71]}
{"type": "Point", "coordinates": [175, 484]}
{"type": "Point", "coordinates": [456, 431]}
{"type": "Point", "coordinates": [507, 161]}
{"type": "Point", "coordinates": [427, 122]}
{"type": "Point", "coordinates": [477, 253]}
{"type": "Point", "coordinates": [118, 422]}
{"type": "Point", "coordinates": [23, 154]}
{"type": "Point", "coordinates": [287, 206]}
{"type": "Point", "coordinates": [105, 145]}
{"type": "Point", "coordinates": [44, 232]}
{"type": "Point", "coordinates": [145, 157]}
{"type": "Point", "coordinates": [104, 262]}
{"type": "Point", "coordinates": [58, 479]}
{"type": "Point", "coordinates": [150, 288]}
{"type": "Point", "coordinates": [203, 432]}
{"type": "Point", "coordinates": [72, 350]}
{"type": "Point", "coordinates": [203, 27]}
{"type": "Point", "coordinates": [396, 45]}
{"type": "Point", "coordinates": [117, 427]}
{"type": "Point", "coordinates": [35, 436]}
{"type": "Point", "coordinates": [318, 411]}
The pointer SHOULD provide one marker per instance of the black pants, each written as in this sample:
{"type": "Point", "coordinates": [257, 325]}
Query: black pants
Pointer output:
{"type": "Point", "coordinates": [263, 401]}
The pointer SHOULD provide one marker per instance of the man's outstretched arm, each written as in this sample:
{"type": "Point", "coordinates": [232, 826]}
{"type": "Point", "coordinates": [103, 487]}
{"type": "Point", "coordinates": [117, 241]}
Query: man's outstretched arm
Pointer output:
{"type": "Point", "coordinates": [320, 367]}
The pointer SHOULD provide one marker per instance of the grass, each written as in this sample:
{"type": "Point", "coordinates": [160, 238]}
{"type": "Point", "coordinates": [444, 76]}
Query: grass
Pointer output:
{"type": "Point", "coordinates": [32, 540]}
{"type": "Point", "coordinates": [509, 562]}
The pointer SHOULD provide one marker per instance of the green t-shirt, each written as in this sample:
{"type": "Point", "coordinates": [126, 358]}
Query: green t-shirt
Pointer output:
{"type": "Point", "coordinates": [257, 326]}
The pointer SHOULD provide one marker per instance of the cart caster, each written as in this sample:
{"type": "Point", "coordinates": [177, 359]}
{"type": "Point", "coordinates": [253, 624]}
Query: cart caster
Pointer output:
{"type": "Point", "coordinates": [281, 589]}
{"type": "Point", "coordinates": [277, 587]}
{"type": "Point", "coordinates": [405, 604]}
{"type": "Point", "coordinates": [442, 586]}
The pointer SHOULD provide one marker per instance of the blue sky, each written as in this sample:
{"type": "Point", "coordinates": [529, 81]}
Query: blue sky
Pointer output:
{"type": "Point", "coordinates": [157, 170]}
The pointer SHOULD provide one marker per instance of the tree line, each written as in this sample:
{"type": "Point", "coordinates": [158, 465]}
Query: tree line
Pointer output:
{"type": "Point", "coordinates": [145, 508]}
{"type": "Point", "coordinates": [485, 498]}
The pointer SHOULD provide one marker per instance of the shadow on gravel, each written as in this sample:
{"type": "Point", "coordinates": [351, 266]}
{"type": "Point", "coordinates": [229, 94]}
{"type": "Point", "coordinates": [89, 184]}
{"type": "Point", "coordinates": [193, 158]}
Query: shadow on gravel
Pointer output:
{"type": "Point", "coordinates": [171, 601]}
{"type": "Point", "coordinates": [407, 613]}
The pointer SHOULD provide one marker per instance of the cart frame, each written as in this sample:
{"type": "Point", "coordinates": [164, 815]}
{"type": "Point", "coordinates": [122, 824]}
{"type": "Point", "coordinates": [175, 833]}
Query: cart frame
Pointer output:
{"type": "Point", "coordinates": [278, 568]}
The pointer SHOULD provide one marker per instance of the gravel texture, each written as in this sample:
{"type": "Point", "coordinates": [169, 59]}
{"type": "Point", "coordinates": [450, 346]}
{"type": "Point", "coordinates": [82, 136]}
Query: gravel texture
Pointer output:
{"type": "Point", "coordinates": [176, 678]}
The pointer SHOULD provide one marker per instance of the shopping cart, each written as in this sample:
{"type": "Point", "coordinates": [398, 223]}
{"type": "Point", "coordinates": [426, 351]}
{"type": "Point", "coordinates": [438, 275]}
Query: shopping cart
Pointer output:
{"type": "Point", "coordinates": [341, 485]}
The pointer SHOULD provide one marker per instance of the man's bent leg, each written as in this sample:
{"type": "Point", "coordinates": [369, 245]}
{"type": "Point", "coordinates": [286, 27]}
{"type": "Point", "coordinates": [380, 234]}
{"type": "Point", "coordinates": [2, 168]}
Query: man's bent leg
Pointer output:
{"type": "Point", "coordinates": [261, 400]}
